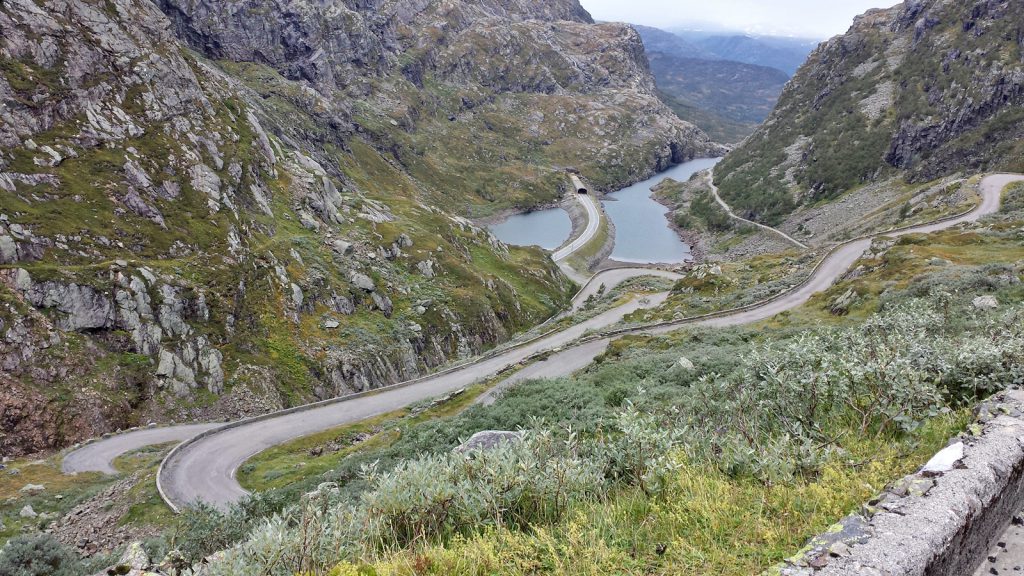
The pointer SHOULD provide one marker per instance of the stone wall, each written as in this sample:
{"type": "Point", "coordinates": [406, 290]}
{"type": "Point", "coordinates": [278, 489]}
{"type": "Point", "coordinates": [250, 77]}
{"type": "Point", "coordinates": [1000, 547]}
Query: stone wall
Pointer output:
{"type": "Point", "coordinates": [940, 521]}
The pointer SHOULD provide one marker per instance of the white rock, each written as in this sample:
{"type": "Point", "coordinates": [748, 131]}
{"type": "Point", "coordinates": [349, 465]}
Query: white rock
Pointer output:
{"type": "Point", "coordinates": [32, 489]}
{"type": "Point", "coordinates": [945, 460]}
{"type": "Point", "coordinates": [986, 303]}
{"type": "Point", "coordinates": [685, 363]}
{"type": "Point", "coordinates": [27, 512]}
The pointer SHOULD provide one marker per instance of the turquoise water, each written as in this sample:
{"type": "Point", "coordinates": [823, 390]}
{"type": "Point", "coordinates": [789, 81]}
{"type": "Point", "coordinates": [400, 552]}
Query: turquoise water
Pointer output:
{"type": "Point", "coordinates": [548, 229]}
{"type": "Point", "coordinates": [642, 232]}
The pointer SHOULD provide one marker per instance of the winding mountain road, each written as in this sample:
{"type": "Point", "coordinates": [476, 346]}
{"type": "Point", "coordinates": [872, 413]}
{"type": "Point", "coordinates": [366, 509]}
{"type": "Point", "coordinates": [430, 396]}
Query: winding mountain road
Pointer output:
{"type": "Point", "coordinates": [728, 210]}
{"type": "Point", "coordinates": [203, 468]}
{"type": "Point", "coordinates": [99, 456]}
{"type": "Point", "coordinates": [593, 225]}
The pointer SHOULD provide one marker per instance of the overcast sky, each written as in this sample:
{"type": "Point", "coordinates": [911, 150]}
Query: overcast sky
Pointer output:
{"type": "Point", "coordinates": [818, 19]}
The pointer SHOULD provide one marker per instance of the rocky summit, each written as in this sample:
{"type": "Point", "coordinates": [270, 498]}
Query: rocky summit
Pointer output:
{"type": "Point", "coordinates": [216, 209]}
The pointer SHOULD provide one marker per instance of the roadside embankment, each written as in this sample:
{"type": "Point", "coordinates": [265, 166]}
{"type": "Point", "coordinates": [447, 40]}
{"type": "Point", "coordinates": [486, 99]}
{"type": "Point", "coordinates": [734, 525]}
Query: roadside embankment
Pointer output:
{"type": "Point", "coordinates": [939, 521]}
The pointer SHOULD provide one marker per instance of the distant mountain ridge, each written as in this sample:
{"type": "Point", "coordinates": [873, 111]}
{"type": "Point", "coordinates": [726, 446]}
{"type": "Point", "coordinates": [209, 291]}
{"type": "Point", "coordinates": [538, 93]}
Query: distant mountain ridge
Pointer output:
{"type": "Point", "coordinates": [786, 54]}
{"type": "Point", "coordinates": [726, 98]}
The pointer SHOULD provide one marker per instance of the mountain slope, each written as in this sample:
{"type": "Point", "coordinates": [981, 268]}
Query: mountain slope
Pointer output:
{"type": "Point", "coordinates": [726, 99]}
{"type": "Point", "coordinates": [926, 89]}
{"type": "Point", "coordinates": [209, 210]}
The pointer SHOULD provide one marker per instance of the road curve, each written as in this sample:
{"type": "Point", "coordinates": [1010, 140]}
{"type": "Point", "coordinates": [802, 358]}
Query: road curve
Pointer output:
{"type": "Point", "coordinates": [204, 470]}
{"type": "Point", "coordinates": [840, 260]}
{"type": "Point", "coordinates": [612, 277]}
{"type": "Point", "coordinates": [99, 456]}
{"type": "Point", "coordinates": [593, 224]}
{"type": "Point", "coordinates": [728, 210]}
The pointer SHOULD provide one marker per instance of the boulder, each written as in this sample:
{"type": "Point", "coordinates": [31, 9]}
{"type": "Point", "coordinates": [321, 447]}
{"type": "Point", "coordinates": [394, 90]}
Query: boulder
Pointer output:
{"type": "Point", "coordinates": [341, 305]}
{"type": "Point", "coordinates": [341, 247]}
{"type": "Point", "coordinates": [383, 303]}
{"type": "Point", "coordinates": [685, 363]}
{"type": "Point", "coordinates": [134, 558]}
{"type": "Point", "coordinates": [27, 512]}
{"type": "Point", "coordinates": [986, 303]}
{"type": "Point", "coordinates": [32, 489]}
{"type": "Point", "coordinates": [426, 268]}
{"type": "Point", "coordinates": [362, 281]}
{"type": "Point", "coordinates": [842, 304]}
{"type": "Point", "coordinates": [488, 440]}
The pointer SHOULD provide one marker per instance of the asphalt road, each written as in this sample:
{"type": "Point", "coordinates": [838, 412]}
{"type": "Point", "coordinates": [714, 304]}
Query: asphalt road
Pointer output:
{"type": "Point", "coordinates": [615, 276]}
{"type": "Point", "coordinates": [204, 470]}
{"type": "Point", "coordinates": [99, 456]}
{"type": "Point", "coordinates": [593, 223]}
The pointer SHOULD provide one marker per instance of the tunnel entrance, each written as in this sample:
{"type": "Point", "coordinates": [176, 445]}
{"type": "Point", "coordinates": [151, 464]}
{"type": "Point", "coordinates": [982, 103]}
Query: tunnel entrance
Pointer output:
{"type": "Point", "coordinates": [578, 184]}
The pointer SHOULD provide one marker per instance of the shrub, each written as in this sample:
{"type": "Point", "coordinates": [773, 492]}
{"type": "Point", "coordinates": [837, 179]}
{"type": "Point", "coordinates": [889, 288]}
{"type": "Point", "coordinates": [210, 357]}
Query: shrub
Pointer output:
{"type": "Point", "coordinates": [514, 485]}
{"type": "Point", "coordinates": [39, 555]}
{"type": "Point", "coordinates": [782, 413]}
{"type": "Point", "coordinates": [778, 412]}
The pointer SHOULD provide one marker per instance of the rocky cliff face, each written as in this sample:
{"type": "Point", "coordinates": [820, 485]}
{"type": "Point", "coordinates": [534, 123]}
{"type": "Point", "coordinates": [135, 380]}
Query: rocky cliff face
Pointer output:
{"type": "Point", "coordinates": [920, 91]}
{"type": "Point", "coordinates": [212, 209]}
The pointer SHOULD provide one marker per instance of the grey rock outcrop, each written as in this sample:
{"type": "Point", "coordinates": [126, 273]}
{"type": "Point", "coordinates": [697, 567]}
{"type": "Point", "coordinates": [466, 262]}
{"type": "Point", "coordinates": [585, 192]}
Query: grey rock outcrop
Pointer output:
{"type": "Point", "coordinates": [488, 440]}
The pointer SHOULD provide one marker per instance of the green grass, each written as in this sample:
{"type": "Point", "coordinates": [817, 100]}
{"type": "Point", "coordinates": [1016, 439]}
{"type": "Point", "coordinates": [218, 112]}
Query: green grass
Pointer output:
{"type": "Point", "coordinates": [63, 492]}
{"type": "Point", "coordinates": [705, 524]}
{"type": "Point", "coordinates": [292, 462]}
{"type": "Point", "coordinates": [147, 507]}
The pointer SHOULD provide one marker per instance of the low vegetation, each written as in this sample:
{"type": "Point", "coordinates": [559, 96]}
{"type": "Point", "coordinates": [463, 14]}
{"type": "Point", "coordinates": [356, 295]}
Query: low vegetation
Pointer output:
{"type": "Point", "coordinates": [700, 452]}
{"type": "Point", "coordinates": [643, 434]}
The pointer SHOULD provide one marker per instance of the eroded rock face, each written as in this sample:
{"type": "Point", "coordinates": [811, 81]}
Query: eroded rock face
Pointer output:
{"type": "Point", "coordinates": [333, 45]}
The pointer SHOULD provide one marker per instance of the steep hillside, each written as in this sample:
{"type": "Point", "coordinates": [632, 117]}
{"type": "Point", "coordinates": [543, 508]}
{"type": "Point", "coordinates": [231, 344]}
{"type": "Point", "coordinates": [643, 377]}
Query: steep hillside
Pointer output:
{"type": "Point", "coordinates": [216, 209]}
{"type": "Point", "coordinates": [924, 90]}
